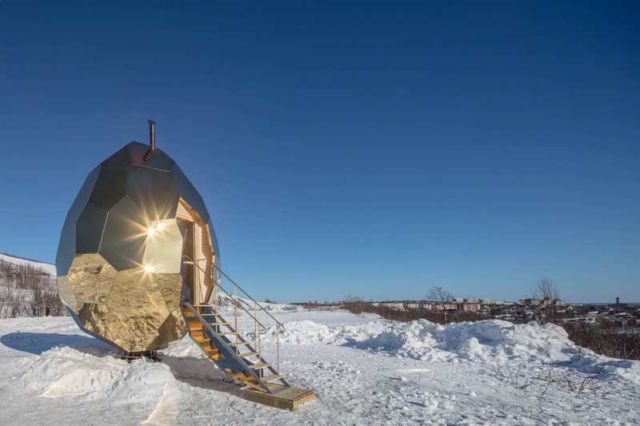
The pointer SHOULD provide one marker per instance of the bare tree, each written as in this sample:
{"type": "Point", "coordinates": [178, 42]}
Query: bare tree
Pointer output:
{"type": "Point", "coordinates": [439, 294]}
{"type": "Point", "coordinates": [353, 299]}
{"type": "Point", "coordinates": [547, 289]}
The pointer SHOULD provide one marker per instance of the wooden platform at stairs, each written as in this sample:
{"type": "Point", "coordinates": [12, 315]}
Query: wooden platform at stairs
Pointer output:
{"type": "Point", "coordinates": [285, 397]}
{"type": "Point", "coordinates": [289, 398]}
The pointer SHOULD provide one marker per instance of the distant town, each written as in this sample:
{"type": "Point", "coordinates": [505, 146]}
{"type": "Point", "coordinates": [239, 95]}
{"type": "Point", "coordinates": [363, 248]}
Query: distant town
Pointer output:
{"type": "Point", "coordinates": [544, 309]}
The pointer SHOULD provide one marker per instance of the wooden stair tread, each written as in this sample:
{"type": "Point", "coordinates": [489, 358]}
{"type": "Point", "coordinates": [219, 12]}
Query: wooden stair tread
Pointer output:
{"type": "Point", "coordinates": [191, 314]}
{"type": "Point", "coordinates": [215, 356]}
{"type": "Point", "coordinates": [271, 378]}
{"type": "Point", "coordinates": [259, 365]}
{"type": "Point", "coordinates": [247, 354]}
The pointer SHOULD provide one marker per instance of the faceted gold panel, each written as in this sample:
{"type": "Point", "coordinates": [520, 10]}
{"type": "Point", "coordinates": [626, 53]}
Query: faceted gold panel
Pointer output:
{"type": "Point", "coordinates": [153, 191]}
{"type": "Point", "coordinates": [66, 294]}
{"type": "Point", "coordinates": [170, 286]}
{"type": "Point", "coordinates": [110, 187]}
{"type": "Point", "coordinates": [173, 328]}
{"type": "Point", "coordinates": [163, 250]}
{"type": "Point", "coordinates": [90, 278]}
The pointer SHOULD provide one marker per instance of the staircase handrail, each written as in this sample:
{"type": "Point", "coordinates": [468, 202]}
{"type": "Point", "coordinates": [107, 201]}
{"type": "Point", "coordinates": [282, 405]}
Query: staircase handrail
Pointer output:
{"type": "Point", "coordinates": [262, 308]}
{"type": "Point", "coordinates": [235, 299]}
{"type": "Point", "coordinates": [247, 311]}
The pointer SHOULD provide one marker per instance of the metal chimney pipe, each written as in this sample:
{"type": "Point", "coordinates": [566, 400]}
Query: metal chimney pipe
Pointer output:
{"type": "Point", "coordinates": [152, 135]}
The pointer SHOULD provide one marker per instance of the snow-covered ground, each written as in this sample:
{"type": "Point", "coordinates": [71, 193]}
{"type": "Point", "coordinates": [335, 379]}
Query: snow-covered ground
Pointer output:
{"type": "Point", "coordinates": [364, 370]}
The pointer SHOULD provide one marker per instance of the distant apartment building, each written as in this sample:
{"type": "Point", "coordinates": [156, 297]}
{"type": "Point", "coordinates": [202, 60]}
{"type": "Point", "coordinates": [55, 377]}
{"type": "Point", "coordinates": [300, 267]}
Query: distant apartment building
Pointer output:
{"type": "Point", "coordinates": [468, 306]}
{"type": "Point", "coordinates": [398, 306]}
{"type": "Point", "coordinates": [428, 306]}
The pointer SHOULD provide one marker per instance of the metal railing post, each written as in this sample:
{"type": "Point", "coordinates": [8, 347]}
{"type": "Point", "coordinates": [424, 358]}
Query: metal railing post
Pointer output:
{"type": "Point", "coordinates": [235, 313]}
{"type": "Point", "coordinates": [255, 325]}
{"type": "Point", "coordinates": [259, 345]}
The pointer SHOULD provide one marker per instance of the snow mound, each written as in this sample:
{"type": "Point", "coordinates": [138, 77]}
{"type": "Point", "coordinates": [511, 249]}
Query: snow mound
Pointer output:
{"type": "Point", "coordinates": [306, 331]}
{"type": "Point", "coordinates": [67, 372]}
{"type": "Point", "coordinates": [492, 342]}
{"type": "Point", "coordinates": [503, 341]}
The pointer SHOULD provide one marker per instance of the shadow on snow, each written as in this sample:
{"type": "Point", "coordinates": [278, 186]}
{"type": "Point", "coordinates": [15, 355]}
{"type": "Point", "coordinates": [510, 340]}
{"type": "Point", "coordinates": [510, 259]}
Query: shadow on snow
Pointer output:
{"type": "Point", "coordinates": [37, 343]}
{"type": "Point", "coordinates": [199, 372]}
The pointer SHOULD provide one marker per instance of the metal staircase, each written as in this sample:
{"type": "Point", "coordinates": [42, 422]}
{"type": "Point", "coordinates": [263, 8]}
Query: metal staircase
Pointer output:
{"type": "Point", "coordinates": [237, 351]}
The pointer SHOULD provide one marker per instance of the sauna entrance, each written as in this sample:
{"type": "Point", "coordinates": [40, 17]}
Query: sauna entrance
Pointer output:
{"type": "Point", "coordinates": [198, 256]}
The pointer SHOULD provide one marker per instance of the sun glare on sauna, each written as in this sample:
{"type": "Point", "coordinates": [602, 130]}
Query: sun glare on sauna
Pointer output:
{"type": "Point", "coordinates": [151, 231]}
{"type": "Point", "coordinates": [155, 229]}
{"type": "Point", "coordinates": [149, 269]}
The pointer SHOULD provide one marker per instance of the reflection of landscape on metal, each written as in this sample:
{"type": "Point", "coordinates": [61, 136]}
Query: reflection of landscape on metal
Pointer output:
{"type": "Point", "coordinates": [119, 261]}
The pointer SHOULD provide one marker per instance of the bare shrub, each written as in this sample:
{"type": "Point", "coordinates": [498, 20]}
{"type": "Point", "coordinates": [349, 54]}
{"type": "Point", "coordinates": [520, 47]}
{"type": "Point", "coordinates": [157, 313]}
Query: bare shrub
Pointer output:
{"type": "Point", "coordinates": [564, 380]}
{"type": "Point", "coordinates": [27, 291]}
{"type": "Point", "coordinates": [605, 340]}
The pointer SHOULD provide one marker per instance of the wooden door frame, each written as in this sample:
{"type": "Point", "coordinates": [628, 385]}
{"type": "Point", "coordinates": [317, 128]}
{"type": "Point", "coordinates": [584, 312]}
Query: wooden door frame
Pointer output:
{"type": "Point", "coordinates": [202, 245]}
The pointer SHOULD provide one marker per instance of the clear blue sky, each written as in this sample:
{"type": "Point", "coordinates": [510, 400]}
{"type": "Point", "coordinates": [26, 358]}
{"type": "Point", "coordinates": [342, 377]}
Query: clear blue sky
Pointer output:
{"type": "Point", "coordinates": [364, 148]}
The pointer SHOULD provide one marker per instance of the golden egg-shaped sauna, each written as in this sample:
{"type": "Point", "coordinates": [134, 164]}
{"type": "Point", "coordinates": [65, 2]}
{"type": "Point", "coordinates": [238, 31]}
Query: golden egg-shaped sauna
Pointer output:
{"type": "Point", "coordinates": [121, 258]}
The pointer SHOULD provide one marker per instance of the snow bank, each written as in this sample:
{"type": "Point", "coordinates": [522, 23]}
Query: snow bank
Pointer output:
{"type": "Point", "coordinates": [492, 342]}
{"type": "Point", "coordinates": [483, 340]}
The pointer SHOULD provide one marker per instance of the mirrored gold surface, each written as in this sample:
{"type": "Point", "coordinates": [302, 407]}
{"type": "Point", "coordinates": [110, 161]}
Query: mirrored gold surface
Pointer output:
{"type": "Point", "coordinates": [120, 254]}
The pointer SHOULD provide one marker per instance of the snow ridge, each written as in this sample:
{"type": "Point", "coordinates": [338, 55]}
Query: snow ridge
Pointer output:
{"type": "Point", "coordinates": [492, 342]}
